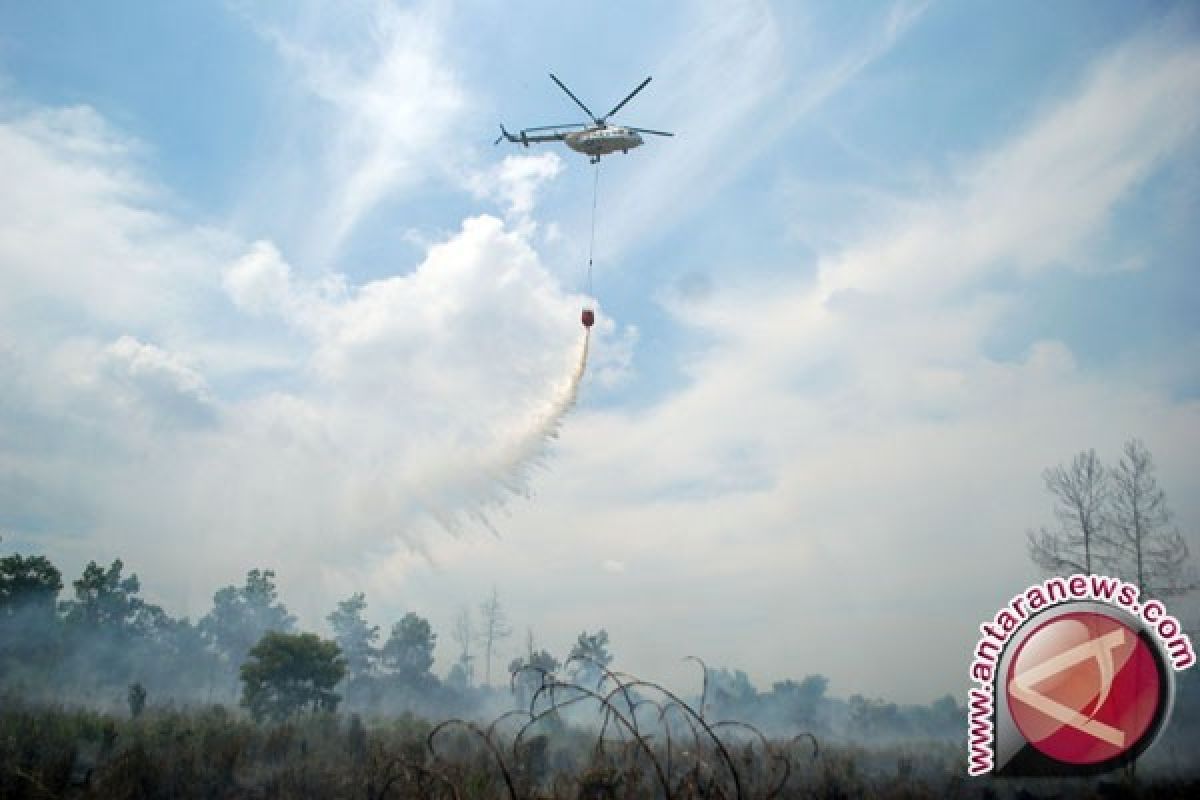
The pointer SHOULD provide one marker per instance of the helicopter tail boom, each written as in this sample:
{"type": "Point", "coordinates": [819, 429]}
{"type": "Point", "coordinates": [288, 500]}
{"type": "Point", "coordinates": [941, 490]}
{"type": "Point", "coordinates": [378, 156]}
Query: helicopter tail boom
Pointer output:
{"type": "Point", "coordinates": [526, 138]}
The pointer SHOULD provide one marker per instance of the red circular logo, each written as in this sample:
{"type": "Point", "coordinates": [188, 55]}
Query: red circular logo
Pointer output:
{"type": "Point", "coordinates": [1084, 688]}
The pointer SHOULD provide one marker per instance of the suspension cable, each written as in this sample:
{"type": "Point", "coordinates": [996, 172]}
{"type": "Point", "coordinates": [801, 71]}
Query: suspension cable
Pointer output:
{"type": "Point", "coordinates": [592, 244]}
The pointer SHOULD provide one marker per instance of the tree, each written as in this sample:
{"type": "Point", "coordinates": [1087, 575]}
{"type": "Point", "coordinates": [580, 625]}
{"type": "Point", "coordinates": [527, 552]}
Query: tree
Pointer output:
{"type": "Point", "coordinates": [28, 583]}
{"type": "Point", "coordinates": [730, 694]}
{"type": "Point", "coordinates": [29, 589]}
{"type": "Point", "coordinates": [1081, 493]}
{"type": "Point", "coordinates": [543, 661]}
{"type": "Point", "coordinates": [588, 655]}
{"type": "Point", "coordinates": [530, 672]}
{"type": "Point", "coordinates": [241, 616]}
{"type": "Point", "coordinates": [874, 717]}
{"type": "Point", "coordinates": [137, 700]}
{"type": "Point", "coordinates": [287, 673]}
{"type": "Point", "coordinates": [408, 652]}
{"type": "Point", "coordinates": [803, 703]}
{"type": "Point", "coordinates": [107, 603]}
{"type": "Point", "coordinates": [182, 663]}
{"type": "Point", "coordinates": [356, 639]}
{"type": "Point", "coordinates": [110, 634]}
{"type": "Point", "coordinates": [1115, 520]}
{"type": "Point", "coordinates": [495, 627]}
{"type": "Point", "coordinates": [457, 678]}
{"type": "Point", "coordinates": [946, 717]}
{"type": "Point", "coordinates": [464, 635]}
{"type": "Point", "coordinates": [1145, 547]}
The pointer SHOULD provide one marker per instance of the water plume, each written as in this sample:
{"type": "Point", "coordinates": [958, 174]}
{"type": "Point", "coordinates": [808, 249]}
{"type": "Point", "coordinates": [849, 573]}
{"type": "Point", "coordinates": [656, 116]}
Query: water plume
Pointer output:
{"type": "Point", "coordinates": [528, 450]}
{"type": "Point", "coordinates": [505, 471]}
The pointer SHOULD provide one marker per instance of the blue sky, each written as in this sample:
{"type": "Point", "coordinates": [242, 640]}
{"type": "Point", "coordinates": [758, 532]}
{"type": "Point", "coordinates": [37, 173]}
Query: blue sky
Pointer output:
{"type": "Point", "coordinates": [270, 297]}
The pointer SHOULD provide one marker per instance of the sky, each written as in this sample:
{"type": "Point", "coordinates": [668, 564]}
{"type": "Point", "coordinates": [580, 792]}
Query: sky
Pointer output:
{"type": "Point", "coordinates": [270, 297]}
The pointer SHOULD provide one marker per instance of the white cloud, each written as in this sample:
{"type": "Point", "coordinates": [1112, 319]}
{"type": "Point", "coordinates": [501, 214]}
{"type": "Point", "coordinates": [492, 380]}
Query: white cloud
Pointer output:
{"type": "Point", "coordinates": [516, 180]}
{"type": "Point", "coordinates": [613, 566]}
{"type": "Point", "coordinates": [261, 283]}
{"type": "Point", "coordinates": [159, 381]}
{"type": "Point", "coordinates": [260, 280]}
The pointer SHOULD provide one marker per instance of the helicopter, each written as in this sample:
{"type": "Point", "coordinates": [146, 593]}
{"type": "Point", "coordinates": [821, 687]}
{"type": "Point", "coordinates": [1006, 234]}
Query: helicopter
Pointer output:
{"type": "Point", "coordinates": [593, 140]}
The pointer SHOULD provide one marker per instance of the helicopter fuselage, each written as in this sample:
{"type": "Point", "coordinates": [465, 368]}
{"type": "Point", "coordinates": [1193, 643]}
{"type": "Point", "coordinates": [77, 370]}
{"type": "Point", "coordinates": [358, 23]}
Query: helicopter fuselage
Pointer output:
{"type": "Point", "coordinates": [602, 141]}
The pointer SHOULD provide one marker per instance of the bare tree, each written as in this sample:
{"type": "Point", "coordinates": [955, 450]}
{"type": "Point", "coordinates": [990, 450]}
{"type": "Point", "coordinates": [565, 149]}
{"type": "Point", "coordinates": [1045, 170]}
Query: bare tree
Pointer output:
{"type": "Point", "coordinates": [1145, 546]}
{"type": "Point", "coordinates": [1115, 520]}
{"type": "Point", "coordinates": [1081, 493]}
{"type": "Point", "coordinates": [464, 635]}
{"type": "Point", "coordinates": [494, 627]}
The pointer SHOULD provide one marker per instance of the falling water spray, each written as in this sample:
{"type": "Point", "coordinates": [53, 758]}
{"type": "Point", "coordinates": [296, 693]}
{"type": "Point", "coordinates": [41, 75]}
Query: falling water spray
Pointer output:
{"type": "Point", "coordinates": [507, 471]}
{"type": "Point", "coordinates": [529, 449]}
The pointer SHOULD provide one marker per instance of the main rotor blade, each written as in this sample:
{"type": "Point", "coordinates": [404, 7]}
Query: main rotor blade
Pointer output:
{"type": "Point", "coordinates": [578, 102]}
{"type": "Point", "coordinates": [648, 130]}
{"type": "Point", "coordinates": [629, 97]}
{"type": "Point", "coordinates": [555, 127]}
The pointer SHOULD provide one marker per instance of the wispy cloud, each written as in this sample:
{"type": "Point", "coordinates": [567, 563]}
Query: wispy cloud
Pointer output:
{"type": "Point", "coordinates": [391, 101]}
{"type": "Point", "coordinates": [81, 233]}
{"type": "Point", "coordinates": [732, 84]}
{"type": "Point", "coordinates": [1039, 200]}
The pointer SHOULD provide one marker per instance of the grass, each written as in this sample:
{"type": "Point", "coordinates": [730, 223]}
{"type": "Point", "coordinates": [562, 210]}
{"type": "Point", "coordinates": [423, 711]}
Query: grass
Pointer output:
{"type": "Point", "coordinates": [215, 753]}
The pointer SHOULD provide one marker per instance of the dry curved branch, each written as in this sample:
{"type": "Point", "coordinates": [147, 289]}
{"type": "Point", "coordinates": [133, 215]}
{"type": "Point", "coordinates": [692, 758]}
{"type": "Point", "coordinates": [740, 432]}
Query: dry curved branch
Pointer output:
{"type": "Point", "coordinates": [585, 693]}
{"type": "Point", "coordinates": [816, 747]}
{"type": "Point", "coordinates": [737, 781]}
{"type": "Point", "coordinates": [704, 688]}
{"type": "Point", "coordinates": [611, 675]}
{"type": "Point", "coordinates": [542, 671]}
{"type": "Point", "coordinates": [491, 746]}
{"type": "Point", "coordinates": [554, 707]}
{"type": "Point", "coordinates": [426, 771]}
{"type": "Point", "coordinates": [491, 729]}
{"type": "Point", "coordinates": [768, 752]}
